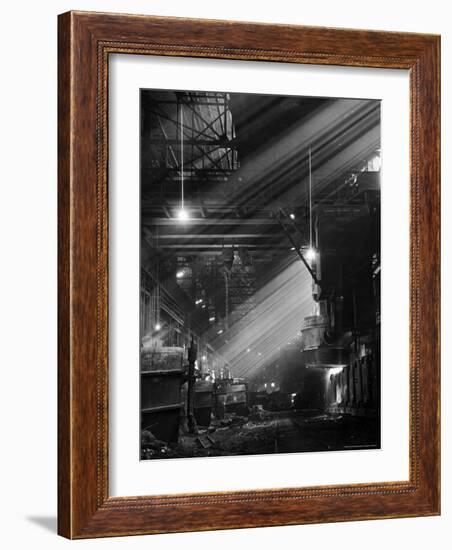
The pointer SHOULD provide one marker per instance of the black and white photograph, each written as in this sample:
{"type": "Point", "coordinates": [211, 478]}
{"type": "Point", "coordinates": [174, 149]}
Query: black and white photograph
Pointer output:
{"type": "Point", "coordinates": [259, 274]}
{"type": "Point", "coordinates": [225, 230]}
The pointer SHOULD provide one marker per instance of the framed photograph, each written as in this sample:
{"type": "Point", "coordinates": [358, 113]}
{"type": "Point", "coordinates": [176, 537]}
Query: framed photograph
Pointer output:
{"type": "Point", "coordinates": [248, 275]}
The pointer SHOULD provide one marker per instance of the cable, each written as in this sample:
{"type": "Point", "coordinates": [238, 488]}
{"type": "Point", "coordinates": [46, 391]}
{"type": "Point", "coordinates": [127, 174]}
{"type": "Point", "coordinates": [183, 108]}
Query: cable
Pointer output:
{"type": "Point", "coordinates": [310, 199]}
{"type": "Point", "coordinates": [182, 154]}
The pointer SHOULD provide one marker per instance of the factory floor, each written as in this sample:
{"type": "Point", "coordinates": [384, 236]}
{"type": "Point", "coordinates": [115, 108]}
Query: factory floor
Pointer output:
{"type": "Point", "coordinates": [272, 432]}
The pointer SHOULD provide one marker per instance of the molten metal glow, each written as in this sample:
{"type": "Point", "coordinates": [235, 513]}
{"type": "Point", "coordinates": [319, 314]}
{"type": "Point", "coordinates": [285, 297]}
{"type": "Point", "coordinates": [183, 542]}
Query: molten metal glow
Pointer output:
{"type": "Point", "coordinates": [335, 370]}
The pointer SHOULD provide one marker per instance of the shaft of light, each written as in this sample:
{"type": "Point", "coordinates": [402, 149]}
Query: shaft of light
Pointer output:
{"type": "Point", "coordinates": [277, 318]}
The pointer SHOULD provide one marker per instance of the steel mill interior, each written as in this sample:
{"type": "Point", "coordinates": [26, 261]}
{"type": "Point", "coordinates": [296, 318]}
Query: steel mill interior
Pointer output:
{"type": "Point", "coordinates": [260, 274]}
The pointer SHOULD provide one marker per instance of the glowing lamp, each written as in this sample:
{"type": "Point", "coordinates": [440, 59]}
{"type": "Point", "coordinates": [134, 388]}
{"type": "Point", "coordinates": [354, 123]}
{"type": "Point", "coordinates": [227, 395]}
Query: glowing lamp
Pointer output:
{"type": "Point", "coordinates": [182, 215]}
{"type": "Point", "coordinates": [310, 254]}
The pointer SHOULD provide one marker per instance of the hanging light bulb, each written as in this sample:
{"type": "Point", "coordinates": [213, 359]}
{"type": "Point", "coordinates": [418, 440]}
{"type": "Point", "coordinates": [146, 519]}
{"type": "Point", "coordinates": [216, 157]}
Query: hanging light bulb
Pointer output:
{"type": "Point", "coordinates": [310, 253]}
{"type": "Point", "coordinates": [182, 215]}
{"type": "Point", "coordinates": [158, 326]}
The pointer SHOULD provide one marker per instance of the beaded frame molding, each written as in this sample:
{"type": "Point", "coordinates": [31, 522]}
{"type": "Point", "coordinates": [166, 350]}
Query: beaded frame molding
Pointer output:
{"type": "Point", "coordinates": [85, 42]}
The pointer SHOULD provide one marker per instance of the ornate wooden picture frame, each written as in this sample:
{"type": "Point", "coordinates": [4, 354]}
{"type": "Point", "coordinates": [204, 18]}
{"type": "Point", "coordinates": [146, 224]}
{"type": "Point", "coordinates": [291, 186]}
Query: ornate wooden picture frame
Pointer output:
{"type": "Point", "coordinates": [86, 41]}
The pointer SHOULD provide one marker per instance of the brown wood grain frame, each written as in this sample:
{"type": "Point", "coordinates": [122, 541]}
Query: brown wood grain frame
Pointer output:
{"type": "Point", "coordinates": [85, 42]}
